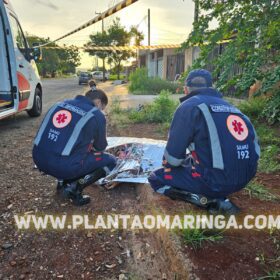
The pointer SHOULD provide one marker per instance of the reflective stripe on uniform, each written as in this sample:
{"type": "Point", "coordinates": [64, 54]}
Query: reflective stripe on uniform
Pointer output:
{"type": "Point", "coordinates": [163, 189]}
{"type": "Point", "coordinates": [107, 170]}
{"type": "Point", "coordinates": [172, 160]}
{"type": "Point", "coordinates": [76, 132]}
{"type": "Point", "coordinates": [256, 138]}
{"type": "Point", "coordinates": [44, 125]}
{"type": "Point", "coordinates": [217, 156]}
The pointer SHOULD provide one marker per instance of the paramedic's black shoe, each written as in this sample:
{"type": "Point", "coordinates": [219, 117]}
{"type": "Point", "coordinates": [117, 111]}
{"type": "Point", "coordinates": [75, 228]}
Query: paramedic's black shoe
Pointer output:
{"type": "Point", "coordinates": [60, 188]}
{"type": "Point", "coordinates": [73, 192]}
{"type": "Point", "coordinates": [91, 178]}
{"type": "Point", "coordinates": [196, 199]}
{"type": "Point", "coordinates": [223, 206]}
{"type": "Point", "coordinates": [81, 200]}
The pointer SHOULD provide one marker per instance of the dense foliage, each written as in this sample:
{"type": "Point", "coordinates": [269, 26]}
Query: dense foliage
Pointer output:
{"type": "Point", "coordinates": [56, 61]}
{"type": "Point", "coordinates": [251, 53]}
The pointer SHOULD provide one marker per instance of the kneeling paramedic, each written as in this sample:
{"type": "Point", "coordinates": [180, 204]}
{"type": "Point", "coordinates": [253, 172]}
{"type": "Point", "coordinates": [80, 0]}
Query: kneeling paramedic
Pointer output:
{"type": "Point", "coordinates": [70, 143]}
{"type": "Point", "coordinates": [223, 149]}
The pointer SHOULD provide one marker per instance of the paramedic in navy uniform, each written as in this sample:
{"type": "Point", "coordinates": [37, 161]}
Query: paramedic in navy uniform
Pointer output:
{"type": "Point", "coordinates": [223, 146]}
{"type": "Point", "coordinates": [70, 144]}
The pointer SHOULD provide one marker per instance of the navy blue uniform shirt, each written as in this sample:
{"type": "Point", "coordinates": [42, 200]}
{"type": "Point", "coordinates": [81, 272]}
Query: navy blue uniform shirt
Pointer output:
{"type": "Point", "coordinates": [222, 140]}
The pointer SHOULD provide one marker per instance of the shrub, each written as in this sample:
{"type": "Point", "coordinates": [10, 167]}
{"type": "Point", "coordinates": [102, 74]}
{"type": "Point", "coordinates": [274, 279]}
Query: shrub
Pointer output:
{"type": "Point", "coordinates": [271, 111]}
{"type": "Point", "coordinates": [140, 83]}
{"type": "Point", "coordinates": [253, 108]}
{"type": "Point", "coordinates": [160, 111]}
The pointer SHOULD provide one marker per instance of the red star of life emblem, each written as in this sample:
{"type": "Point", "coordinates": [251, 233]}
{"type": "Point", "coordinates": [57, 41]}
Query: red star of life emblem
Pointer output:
{"type": "Point", "coordinates": [237, 127]}
{"type": "Point", "coordinates": [62, 118]}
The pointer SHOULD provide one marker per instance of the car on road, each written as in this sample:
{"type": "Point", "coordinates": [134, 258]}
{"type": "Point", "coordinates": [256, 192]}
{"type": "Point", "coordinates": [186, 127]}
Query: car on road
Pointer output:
{"type": "Point", "coordinates": [84, 78]}
{"type": "Point", "coordinates": [20, 84]}
{"type": "Point", "coordinates": [98, 75]}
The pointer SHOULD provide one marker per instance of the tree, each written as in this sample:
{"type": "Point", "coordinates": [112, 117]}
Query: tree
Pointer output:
{"type": "Point", "coordinates": [63, 60]}
{"type": "Point", "coordinates": [253, 30]}
{"type": "Point", "coordinates": [137, 35]}
{"type": "Point", "coordinates": [116, 36]}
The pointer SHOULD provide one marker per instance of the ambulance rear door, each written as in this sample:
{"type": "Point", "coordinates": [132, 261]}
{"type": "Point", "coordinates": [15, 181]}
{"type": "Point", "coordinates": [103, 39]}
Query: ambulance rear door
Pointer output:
{"type": "Point", "coordinates": [8, 79]}
{"type": "Point", "coordinates": [24, 68]}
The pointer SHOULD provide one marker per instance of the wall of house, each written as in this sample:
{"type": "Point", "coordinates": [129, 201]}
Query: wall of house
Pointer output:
{"type": "Point", "coordinates": [169, 63]}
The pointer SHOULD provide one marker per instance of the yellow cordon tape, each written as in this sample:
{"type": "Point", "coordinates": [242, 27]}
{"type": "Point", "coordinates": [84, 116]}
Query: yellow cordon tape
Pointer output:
{"type": "Point", "coordinates": [127, 48]}
{"type": "Point", "coordinates": [106, 14]}
{"type": "Point", "coordinates": [119, 48]}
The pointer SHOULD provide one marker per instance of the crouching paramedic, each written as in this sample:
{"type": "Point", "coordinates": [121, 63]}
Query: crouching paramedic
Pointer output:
{"type": "Point", "coordinates": [222, 144]}
{"type": "Point", "coordinates": [70, 143]}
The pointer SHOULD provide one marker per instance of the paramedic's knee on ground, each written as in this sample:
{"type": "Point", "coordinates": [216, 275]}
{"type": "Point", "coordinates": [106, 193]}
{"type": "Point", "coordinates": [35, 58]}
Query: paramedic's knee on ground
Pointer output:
{"type": "Point", "coordinates": [70, 143]}
{"type": "Point", "coordinates": [221, 140]}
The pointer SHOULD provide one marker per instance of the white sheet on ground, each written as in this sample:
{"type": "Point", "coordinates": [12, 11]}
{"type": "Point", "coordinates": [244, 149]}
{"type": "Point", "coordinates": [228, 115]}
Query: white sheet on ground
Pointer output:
{"type": "Point", "coordinates": [142, 157]}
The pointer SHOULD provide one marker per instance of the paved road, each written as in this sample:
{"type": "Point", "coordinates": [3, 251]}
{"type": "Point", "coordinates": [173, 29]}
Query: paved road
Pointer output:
{"type": "Point", "coordinates": [55, 90]}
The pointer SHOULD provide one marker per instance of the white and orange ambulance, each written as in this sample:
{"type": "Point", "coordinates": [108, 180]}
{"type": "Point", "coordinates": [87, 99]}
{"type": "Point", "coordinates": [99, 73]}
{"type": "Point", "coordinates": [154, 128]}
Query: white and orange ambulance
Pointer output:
{"type": "Point", "coordinates": [20, 85]}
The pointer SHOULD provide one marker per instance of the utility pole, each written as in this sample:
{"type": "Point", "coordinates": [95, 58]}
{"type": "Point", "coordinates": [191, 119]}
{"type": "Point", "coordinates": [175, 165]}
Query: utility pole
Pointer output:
{"type": "Point", "coordinates": [103, 59]}
{"type": "Point", "coordinates": [196, 11]}
{"type": "Point", "coordinates": [149, 27]}
{"type": "Point", "coordinates": [149, 39]}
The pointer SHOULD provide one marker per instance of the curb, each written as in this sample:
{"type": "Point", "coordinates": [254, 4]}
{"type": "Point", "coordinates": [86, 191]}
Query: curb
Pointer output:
{"type": "Point", "coordinates": [181, 265]}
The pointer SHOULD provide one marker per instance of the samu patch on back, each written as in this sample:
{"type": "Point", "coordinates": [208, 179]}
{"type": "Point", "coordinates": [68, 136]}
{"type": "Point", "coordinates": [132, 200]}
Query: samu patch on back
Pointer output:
{"type": "Point", "coordinates": [61, 118]}
{"type": "Point", "coordinates": [237, 127]}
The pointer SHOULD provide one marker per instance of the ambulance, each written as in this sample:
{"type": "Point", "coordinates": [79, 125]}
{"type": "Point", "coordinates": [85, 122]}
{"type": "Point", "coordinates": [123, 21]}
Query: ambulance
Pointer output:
{"type": "Point", "coordinates": [20, 85]}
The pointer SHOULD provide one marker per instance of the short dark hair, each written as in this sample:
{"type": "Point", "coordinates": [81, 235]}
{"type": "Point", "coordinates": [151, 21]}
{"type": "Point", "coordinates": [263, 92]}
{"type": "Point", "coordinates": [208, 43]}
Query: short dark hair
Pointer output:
{"type": "Point", "coordinates": [97, 94]}
{"type": "Point", "coordinates": [92, 83]}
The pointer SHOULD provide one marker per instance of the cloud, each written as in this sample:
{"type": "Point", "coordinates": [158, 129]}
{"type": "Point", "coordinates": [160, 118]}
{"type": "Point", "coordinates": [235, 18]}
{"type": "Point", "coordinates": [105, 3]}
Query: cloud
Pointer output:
{"type": "Point", "coordinates": [48, 4]}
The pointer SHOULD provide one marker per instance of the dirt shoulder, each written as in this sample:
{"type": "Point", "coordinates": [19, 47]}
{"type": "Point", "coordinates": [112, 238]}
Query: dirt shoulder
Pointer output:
{"type": "Point", "coordinates": [116, 254]}
{"type": "Point", "coordinates": [240, 254]}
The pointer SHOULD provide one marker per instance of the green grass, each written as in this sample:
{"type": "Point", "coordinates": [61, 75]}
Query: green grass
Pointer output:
{"type": "Point", "coordinates": [270, 148]}
{"type": "Point", "coordinates": [114, 77]}
{"type": "Point", "coordinates": [269, 161]}
{"type": "Point", "coordinates": [196, 237]}
{"type": "Point", "coordinates": [140, 83]}
{"type": "Point", "coordinates": [160, 111]}
{"type": "Point", "coordinates": [258, 190]}
{"type": "Point", "coordinates": [266, 135]}
{"type": "Point", "coordinates": [271, 275]}
{"type": "Point", "coordinates": [269, 141]}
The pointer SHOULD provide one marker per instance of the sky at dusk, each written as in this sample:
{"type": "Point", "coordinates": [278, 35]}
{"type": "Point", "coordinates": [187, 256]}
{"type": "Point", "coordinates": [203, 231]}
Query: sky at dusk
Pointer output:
{"type": "Point", "coordinates": [171, 20]}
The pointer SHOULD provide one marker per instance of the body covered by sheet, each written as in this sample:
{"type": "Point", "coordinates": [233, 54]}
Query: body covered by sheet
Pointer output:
{"type": "Point", "coordinates": [136, 159]}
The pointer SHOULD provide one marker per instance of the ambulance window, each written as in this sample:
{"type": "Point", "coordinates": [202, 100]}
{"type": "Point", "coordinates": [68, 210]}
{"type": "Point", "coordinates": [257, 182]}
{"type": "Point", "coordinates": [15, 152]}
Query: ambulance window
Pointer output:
{"type": "Point", "coordinates": [18, 36]}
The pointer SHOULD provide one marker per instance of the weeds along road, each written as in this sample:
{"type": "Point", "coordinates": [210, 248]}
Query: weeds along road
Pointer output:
{"type": "Point", "coordinates": [66, 254]}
